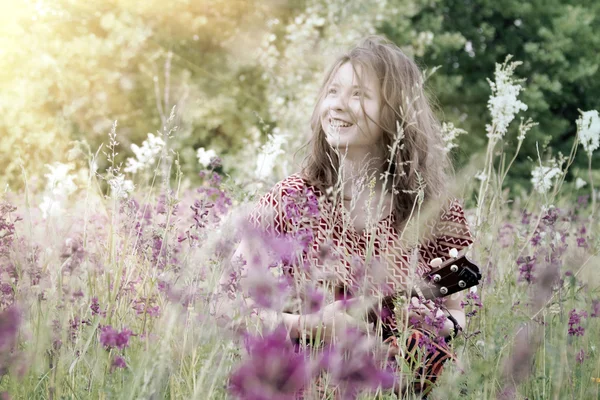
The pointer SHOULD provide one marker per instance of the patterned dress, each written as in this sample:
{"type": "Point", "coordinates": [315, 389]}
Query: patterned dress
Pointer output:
{"type": "Point", "coordinates": [334, 256]}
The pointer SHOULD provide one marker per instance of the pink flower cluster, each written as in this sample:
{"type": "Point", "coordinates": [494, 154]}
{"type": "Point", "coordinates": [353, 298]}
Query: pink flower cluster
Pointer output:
{"type": "Point", "coordinates": [110, 338]}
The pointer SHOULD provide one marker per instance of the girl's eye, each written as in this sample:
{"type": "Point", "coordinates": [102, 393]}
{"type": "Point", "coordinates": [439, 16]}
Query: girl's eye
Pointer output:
{"type": "Point", "coordinates": [333, 91]}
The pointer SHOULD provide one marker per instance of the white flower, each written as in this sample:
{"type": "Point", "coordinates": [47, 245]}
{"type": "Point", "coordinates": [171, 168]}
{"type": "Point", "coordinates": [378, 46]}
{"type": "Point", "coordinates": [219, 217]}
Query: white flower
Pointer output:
{"type": "Point", "coordinates": [120, 187]}
{"type": "Point", "coordinates": [542, 177]}
{"type": "Point", "coordinates": [205, 156]}
{"type": "Point", "coordinates": [50, 207]}
{"type": "Point", "coordinates": [145, 156]}
{"type": "Point", "coordinates": [60, 183]}
{"type": "Point", "coordinates": [503, 103]}
{"type": "Point", "coordinates": [469, 48]}
{"type": "Point", "coordinates": [269, 151]}
{"type": "Point", "coordinates": [59, 187]}
{"type": "Point", "coordinates": [449, 135]}
{"type": "Point", "coordinates": [579, 183]}
{"type": "Point", "coordinates": [481, 175]}
{"type": "Point", "coordinates": [588, 128]}
{"type": "Point", "coordinates": [554, 309]}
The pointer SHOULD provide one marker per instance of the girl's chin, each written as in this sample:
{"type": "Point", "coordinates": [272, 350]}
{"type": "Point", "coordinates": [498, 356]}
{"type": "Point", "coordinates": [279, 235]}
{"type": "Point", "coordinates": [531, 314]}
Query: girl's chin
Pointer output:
{"type": "Point", "coordinates": [340, 142]}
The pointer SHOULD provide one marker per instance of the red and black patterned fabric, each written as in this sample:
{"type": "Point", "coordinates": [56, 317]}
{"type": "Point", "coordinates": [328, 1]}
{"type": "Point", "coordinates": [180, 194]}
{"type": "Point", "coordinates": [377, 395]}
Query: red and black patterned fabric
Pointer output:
{"type": "Point", "coordinates": [332, 230]}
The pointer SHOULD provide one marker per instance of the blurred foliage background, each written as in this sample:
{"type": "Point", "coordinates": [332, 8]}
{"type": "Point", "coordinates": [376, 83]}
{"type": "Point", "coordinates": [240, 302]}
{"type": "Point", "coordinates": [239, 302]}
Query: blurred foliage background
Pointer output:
{"type": "Point", "coordinates": [238, 71]}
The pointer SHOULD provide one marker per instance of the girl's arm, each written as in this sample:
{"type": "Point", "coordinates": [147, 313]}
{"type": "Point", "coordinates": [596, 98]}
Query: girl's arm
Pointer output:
{"type": "Point", "coordinates": [452, 303]}
{"type": "Point", "coordinates": [329, 322]}
{"type": "Point", "coordinates": [227, 308]}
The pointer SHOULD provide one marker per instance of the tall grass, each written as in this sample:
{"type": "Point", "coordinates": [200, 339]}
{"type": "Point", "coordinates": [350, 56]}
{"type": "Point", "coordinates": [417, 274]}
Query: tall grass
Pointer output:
{"type": "Point", "coordinates": [113, 297]}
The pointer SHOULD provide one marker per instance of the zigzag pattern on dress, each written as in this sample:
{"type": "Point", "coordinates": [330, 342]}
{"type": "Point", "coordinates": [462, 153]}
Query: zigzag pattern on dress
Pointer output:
{"type": "Point", "coordinates": [450, 231]}
{"type": "Point", "coordinates": [331, 229]}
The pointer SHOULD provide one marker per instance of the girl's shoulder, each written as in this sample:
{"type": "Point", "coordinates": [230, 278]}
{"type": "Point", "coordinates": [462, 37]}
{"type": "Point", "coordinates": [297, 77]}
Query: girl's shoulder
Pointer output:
{"type": "Point", "coordinates": [453, 211]}
{"type": "Point", "coordinates": [272, 210]}
{"type": "Point", "coordinates": [452, 229]}
{"type": "Point", "coordinates": [293, 184]}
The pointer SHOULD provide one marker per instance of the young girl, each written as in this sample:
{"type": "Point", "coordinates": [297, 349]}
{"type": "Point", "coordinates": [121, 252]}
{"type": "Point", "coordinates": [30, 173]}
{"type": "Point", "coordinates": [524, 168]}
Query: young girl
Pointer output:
{"type": "Point", "coordinates": [376, 160]}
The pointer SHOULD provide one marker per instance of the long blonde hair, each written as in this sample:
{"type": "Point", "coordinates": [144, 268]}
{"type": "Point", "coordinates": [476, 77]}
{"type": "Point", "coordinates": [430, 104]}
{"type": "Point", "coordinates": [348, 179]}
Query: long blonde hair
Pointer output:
{"type": "Point", "coordinates": [419, 161]}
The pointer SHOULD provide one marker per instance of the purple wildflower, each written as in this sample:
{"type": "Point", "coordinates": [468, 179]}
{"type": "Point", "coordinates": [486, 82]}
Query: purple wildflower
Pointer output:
{"type": "Point", "coordinates": [216, 196]}
{"type": "Point", "coordinates": [118, 362]}
{"type": "Point", "coordinates": [74, 325]}
{"type": "Point", "coordinates": [436, 322]}
{"type": "Point", "coordinates": [123, 338]}
{"type": "Point", "coordinates": [95, 307]}
{"type": "Point", "coordinates": [201, 211]}
{"type": "Point", "coordinates": [536, 239]}
{"type": "Point", "coordinates": [231, 287]}
{"type": "Point", "coordinates": [153, 311]}
{"type": "Point", "coordinates": [7, 295]}
{"type": "Point", "coordinates": [426, 343]}
{"type": "Point", "coordinates": [303, 238]}
{"type": "Point", "coordinates": [301, 205]}
{"type": "Point", "coordinates": [215, 163]}
{"type": "Point", "coordinates": [473, 302]}
{"type": "Point", "coordinates": [580, 356]}
{"type": "Point", "coordinates": [72, 254]}
{"type": "Point", "coordinates": [581, 240]}
{"type": "Point", "coordinates": [313, 300]}
{"type": "Point", "coordinates": [551, 216]}
{"type": "Point", "coordinates": [273, 370]}
{"type": "Point", "coordinates": [146, 306]}
{"type": "Point", "coordinates": [109, 337]}
{"type": "Point", "coordinates": [525, 217]}
{"type": "Point", "coordinates": [264, 287]}
{"type": "Point", "coordinates": [7, 226]}
{"type": "Point", "coordinates": [9, 326]}
{"type": "Point", "coordinates": [575, 328]}
{"type": "Point", "coordinates": [353, 366]}
{"type": "Point", "coordinates": [582, 201]}
{"type": "Point", "coordinates": [10, 320]}
{"type": "Point", "coordinates": [283, 248]}
{"type": "Point", "coordinates": [526, 266]}
{"type": "Point", "coordinates": [595, 308]}
{"type": "Point", "coordinates": [506, 235]}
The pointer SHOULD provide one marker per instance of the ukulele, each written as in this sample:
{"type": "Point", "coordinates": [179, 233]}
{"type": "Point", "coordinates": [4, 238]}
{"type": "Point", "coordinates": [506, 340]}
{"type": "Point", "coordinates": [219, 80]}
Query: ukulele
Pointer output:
{"type": "Point", "coordinates": [451, 276]}
{"type": "Point", "coordinates": [454, 275]}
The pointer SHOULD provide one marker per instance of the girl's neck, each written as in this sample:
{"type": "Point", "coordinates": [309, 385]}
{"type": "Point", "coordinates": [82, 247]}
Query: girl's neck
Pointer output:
{"type": "Point", "coordinates": [360, 169]}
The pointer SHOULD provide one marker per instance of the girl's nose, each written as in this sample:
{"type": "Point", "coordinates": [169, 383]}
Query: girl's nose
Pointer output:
{"type": "Point", "coordinates": [338, 103]}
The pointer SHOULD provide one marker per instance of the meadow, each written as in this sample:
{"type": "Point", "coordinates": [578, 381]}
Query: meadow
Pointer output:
{"type": "Point", "coordinates": [108, 287]}
{"type": "Point", "coordinates": [110, 266]}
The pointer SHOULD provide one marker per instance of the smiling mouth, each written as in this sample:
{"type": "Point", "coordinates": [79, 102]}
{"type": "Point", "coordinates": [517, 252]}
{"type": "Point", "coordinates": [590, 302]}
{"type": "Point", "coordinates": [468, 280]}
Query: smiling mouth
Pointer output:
{"type": "Point", "coordinates": [336, 123]}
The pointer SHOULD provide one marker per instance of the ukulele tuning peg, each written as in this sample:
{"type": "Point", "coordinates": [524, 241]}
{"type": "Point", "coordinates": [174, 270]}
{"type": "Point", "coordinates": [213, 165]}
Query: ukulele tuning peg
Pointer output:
{"type": "Point", "coordinates": [454, 268]}
{"type": "Point", "coordinates": [444, 290]}
{"type": "Point", "coordinates": [453, 253]}
{"type": "Point", "coordinates": [437, 278]}
{"type": "Point", "coordinates": [461, 284]}
{"type": "Point", "coordinates": [436, 262]}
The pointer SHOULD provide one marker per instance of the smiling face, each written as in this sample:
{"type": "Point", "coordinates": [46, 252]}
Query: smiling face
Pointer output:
{"type": "Point", "coordinates": [343, 119]}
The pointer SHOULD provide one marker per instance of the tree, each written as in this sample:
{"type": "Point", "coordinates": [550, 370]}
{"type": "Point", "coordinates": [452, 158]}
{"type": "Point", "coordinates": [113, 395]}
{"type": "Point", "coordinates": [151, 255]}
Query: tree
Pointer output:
{"type": "Point", "coordinates": [558, 45]}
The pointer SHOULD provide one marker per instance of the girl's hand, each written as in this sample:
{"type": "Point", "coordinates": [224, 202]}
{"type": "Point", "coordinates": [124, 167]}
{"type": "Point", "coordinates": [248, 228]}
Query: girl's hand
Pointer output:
{"type": "Point", "coordinates": [414, 313]}
{"type": "Point", "coordinates": [332, 322]}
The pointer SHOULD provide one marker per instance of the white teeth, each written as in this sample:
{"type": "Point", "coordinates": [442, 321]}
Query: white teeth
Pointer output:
{"type": "Point", "coordinates": [337, 123]}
